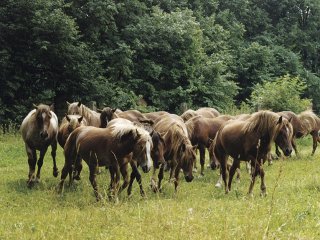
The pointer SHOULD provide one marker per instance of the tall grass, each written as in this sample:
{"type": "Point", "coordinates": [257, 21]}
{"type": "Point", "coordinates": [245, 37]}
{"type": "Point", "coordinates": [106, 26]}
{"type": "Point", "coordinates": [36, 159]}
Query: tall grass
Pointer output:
{"type": "Point", "coordinates": [197, 211]}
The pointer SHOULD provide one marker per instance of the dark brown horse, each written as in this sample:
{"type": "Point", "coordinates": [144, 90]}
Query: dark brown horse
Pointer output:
{"type": "Point", "coordinates": [178, 153]}
{"type": "Point", "coordinates": [92, 117]}
{"type": "Point", "coordinates": [250, 140]}
{"type": "Point", "coordinates": [105, 147]}
{"type": "Point", "coordinates": [39, 130]}
{"type": "Point", "coordinates": [68, 124]}
{"type": "Point", "coordinates": [106, 115]}
{"type": "Point", "coordinates": [201, 132]}
{"type": "Point", "coordinates": [311, 124]}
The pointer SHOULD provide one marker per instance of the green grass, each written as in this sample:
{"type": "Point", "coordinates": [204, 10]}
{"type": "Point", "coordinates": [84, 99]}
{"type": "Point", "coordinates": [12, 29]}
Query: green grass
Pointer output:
{"type": "Point", "coordinates": [198, 211]}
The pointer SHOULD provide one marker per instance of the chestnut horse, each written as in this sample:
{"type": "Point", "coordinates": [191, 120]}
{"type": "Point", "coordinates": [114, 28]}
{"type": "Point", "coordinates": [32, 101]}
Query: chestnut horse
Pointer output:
{"type": "Point", "coordinates": [39, 130]}
{"type": "Point", "coordinates": [92, 117]}
{"type": "Point", "coordinates": [201, 132]}
{"type": "Point", "coordinates": [68, 124]}
{"type": "Point", "coordinates": [311, 124]}
{"type": "Point", "coordinates": [250, 140]}
{"type": "Point", "coordinates": [298, 129]}
{"type": "Point", "coordinates": [178, 150]}
{"type": "Point", "coordinates": [105, 147]}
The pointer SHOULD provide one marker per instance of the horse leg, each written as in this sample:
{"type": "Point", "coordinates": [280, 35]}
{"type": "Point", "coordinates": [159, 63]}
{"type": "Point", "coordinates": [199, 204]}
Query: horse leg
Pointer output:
{"type": "Point", "coordinates": [235, 165]}
{"type": "Point", "coordinates": [67, 169]}
{"type": "Point", "coordinates": [294, 145]}
{"type": "Point", "coordinates": [315, 144]}
{"type": "Point", "coordinates": [40, 163]}
{"type": "Point", "coordinates": [176, 177]}
{"type": "Point", "coordinates": [254, 173]}
{"type": "Point", "coordinates": [132, 177]}
{"type": "Point", "coordinates": [262, 186]}
{"type": "Point", "coordinates": [160, 177]}
{"type": "Point", "coordinates": [77, 168]}
{"type": "Point", "coordinates": [93, 168]}
{"type": "Point", "coordinates": [53, 154]}
{"type": "Point", "coordinates": [124, 173]}
{"type": "Point", "coordinates": [223, 159]}
{"type": "Point", "coordinates": [202, 158]}
{"type": "Point", "coordinates": [32, 160]}
{"type": "Point", "coordinates": [110, 189]}
{"type": "Point", "coordinates": [278, 151]}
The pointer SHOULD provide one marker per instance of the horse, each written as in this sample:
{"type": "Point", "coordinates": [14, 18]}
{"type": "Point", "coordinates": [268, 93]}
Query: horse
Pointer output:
{"type": "Point", "coordinates": [201, 132]}
{"type": "Point", "coordinates": [105, 147]}
{"type": "Point", "coordinates": [178, 150]}
{"type": "Point", "coordinates": [250, 140]}
{"type": "Point", "coordinates": [77, 108]}
{"type": "Point", "coordinates": [68, 124]}
{"type": "Point", "coordinates": [107, 114]}
{"type": "Point", "coordinates": [298, 129]}
{"type": "Point", "coordinates": [311, 123]}
{"type": "Point", "coordinates": [39, 130]}
{"type": "Point", "coordinates": [155, 116]}
{"type": "Point", "coordinates": [208, 112]}
{"type": "Point", "coordinates": [188, 114]}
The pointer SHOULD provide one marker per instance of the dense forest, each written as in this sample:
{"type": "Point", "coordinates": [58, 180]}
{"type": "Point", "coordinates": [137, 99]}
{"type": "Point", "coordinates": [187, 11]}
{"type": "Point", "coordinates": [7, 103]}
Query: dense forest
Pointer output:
{"type": "Point", "coordinates": [158, 55]}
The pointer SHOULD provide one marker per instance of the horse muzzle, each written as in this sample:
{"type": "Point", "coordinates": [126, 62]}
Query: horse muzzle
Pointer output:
{"type": "Point", "coordinates": [287, 152]}
{"type": "Point", "coordinates": [44, 134]}
{"type": "Point", "coordinates": [146, 169]}
{"type": "Point", "coordinates": [189, 178]}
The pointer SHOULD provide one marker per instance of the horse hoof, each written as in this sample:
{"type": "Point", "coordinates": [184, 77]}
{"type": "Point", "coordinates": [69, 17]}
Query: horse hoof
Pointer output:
{"type": "Point", "coordinates": [263, 194]}
{"type": "Point", "coordinates": [77, 177]}
{"type": "Point", "coordinates": [55, 173]}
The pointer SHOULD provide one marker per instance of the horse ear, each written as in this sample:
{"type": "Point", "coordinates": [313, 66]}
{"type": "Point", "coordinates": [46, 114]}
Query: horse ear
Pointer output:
{"type": "Point", "coordinates": [51, 107]}
{"type": "Point", "coordinates": [68, 118]}
{"type": "Point", "coordinates": [79, 103]}
{"type": "Point", "coordinates": [80, 119]}
{"type": "Point", "coordinates": [114, 109]}
{"type": "Point", "coordinates": [99, 110]}
{"type": "Point", "coordinates": [290, 120]}
{"type": "Point", "coordinates": [35, 106]}
{"type": "Point", "coordinates": [195, 147]}
{"type": "Point", "coordinates": [68, 103]}
{"type": "Point", "coordinates": [280, 120]}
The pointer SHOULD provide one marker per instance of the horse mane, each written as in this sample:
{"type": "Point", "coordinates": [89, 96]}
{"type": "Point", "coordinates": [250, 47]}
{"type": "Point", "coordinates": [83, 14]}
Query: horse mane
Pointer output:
{"type": "Point", "coordinates": [262, 122]}
{"type": "Point", "coordinates": [309, 120]}
{"type": "Point", "coordinates": [120, 127]}
{"type": "Point", "coordinates": [188, 114]}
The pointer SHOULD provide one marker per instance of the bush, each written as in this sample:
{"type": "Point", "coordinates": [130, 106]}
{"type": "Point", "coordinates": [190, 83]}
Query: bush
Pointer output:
{"type": "Point", "coordinates": [284, 93]}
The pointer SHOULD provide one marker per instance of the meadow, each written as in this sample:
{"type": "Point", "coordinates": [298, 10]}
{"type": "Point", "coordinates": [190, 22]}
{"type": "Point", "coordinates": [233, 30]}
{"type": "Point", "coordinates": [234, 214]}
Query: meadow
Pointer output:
{"type": "Point", "coordinates": [291, 209]}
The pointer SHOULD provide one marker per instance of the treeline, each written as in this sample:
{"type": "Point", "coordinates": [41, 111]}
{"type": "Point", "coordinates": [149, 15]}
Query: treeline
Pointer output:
{"type": "Point", "coordinates": [155, 55]}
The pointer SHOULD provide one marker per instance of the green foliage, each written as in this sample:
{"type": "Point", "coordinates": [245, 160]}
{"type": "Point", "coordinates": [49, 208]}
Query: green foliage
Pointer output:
{"type": "Point", "coordinates": [284, 93]}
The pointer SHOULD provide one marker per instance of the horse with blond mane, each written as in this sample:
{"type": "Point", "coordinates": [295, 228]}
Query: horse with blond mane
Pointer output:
{"type": "Point", "coordinates": [105, 147]}
{"type": "Point", "coordinates": [92, 117]}
{"type": "Point", "coordinates": [39, 130]}
{"type": "Point", "coordinates": [250, 140]}
{"type": "Point", "coordinates": [311, 124]}
{"type": "Point", "coordinates": [178, 150]}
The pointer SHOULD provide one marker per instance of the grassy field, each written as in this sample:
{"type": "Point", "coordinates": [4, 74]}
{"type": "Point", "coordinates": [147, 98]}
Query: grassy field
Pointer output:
{"type": "Point", "coordinates": [198, 211]}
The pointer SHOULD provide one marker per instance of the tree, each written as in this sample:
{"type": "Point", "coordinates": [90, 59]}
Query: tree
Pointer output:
{"type": "Point", "coordinates": [282, 94]}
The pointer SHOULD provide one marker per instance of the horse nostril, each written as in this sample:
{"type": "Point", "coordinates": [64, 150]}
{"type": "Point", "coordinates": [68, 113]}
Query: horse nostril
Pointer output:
{"type": "Point", "coordinates": [145, 169]}
{"type": "Point", "coordinates": [288, 152]}
{"type": "Point", "coordinates": [189, 178]}
{"type": "Point", "coordinates": [43, 134]}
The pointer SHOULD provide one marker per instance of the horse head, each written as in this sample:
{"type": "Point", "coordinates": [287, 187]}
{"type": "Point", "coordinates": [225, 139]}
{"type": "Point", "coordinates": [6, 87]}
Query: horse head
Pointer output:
{"type": "Point", "coordinates": [284, 135]}
{"type": "Point", "coordinates": [106, 115]}
{"type": "Point", "coordinates": [74, 121]}
{"type": "Point", "coordinates": [43, 116]}
{"type": "Point", "coordinates": [157, 152]}
{"type": "Point", "coordinates": [75, 108]}
{"type": "Point", "coordinates": [187, 153]}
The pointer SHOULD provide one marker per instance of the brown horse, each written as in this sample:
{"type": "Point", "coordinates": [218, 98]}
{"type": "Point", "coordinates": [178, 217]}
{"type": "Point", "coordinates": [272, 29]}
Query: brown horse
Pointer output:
{"type": "Point", "coordinates": [68, 124]}
{"type": "Point", "coordinates": [92, 117]}
{"type": "Point", "coordinates": [105, 147]}
{"type": "Point", "coordinates": [208, 112]}
{"type": "Point", "coordinates": [311, 124]}
{"type": "Point", "coordinates": [201, 132]}
{"type": "Point", "coordinates": [155, 116]}
{"type": "Point", "coordinates": [188, 114]}
{"type": "Point", "coordinates": [250, 140]}
{"type": "Point", "coordinates": [298, 129]}
{"type": "Point", "coordinates": [178, 152]}
{"type": "Point", "coordinates": [107, 114]}
{"type": "Point", "coordinates": [39, 130]}
{"type": "Point", "coordinates": [135, 158]}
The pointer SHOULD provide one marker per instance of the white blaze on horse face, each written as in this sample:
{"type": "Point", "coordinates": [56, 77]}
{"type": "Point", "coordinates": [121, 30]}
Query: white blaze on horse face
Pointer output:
{"type": "Point", "coordinates": [148, 150]}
